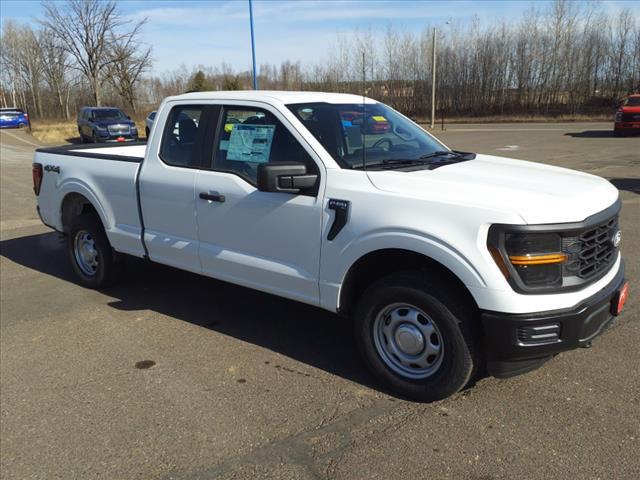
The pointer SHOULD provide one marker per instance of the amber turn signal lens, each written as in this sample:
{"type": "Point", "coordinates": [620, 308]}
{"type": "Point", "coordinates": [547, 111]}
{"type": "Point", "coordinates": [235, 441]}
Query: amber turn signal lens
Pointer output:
{"type": "Point", "coordinates": [499, 261]}
{"type": "Point", "coordinates": [547, 259]}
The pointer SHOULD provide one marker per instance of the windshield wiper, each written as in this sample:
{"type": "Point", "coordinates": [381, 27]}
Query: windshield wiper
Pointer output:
{"type": "Point", "coordinates": [427, 159]}
{"type": "Point", "coordinates": [391, 163]}
{"type": "Point", "coordinates": [452, 153]}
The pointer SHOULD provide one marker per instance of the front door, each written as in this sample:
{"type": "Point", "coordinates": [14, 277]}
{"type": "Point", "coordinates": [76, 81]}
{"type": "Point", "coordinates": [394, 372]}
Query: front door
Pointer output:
{"type": "Point", "coordinates": [266, 240]}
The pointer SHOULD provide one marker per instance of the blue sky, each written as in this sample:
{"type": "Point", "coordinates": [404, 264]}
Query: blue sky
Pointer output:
{"type": "Point", "coordinates": [210, 32]}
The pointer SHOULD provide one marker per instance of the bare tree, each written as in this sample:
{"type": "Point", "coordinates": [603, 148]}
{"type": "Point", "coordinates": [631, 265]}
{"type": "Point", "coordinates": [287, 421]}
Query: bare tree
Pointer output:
{"type": "Point", "coordinates": [127, 64]}
{"type": "Point", "coordinates": [88, 30]}
{"type": "Point", "coordinates": [55, 62]}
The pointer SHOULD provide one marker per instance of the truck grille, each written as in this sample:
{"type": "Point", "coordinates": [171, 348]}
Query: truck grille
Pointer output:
{"type": "Point", "coordinates": [593, 251]}
{"type": "Point", "coordinates": [630, 117]}
{"type": "Point", "coordinates": [119, 130]}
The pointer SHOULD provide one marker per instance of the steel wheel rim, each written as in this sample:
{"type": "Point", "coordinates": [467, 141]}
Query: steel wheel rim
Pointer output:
{"type": "Point", "coordinates": [85, 253]}
{"type": "Point", "coordinates": [408, 341]}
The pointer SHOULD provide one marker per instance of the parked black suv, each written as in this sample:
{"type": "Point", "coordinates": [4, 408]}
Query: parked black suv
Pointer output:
{"type": "Point", "coordinates": [105, 124]}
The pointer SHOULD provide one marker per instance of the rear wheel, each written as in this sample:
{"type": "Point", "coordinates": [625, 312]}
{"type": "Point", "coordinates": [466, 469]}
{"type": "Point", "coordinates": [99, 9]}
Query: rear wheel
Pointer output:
{"type": "Point", "coordinates": [415, 337]}
{"type": "Point", "coordinates": [94, 137]}
{"type": "Point", "coordinates": [146, 132]}
{"type": "Point", "coordinates": [93, 260]}
{"type": "Point", "coordinates": [22, 125]}
{"type": "Point", "coordinates": [617, 133]}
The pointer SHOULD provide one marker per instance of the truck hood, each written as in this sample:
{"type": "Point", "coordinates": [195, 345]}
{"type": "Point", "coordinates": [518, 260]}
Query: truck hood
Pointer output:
{"type": "Point", "coordinates": [538, 193]}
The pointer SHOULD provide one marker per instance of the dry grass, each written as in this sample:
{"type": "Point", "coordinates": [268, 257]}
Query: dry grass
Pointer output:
{"type": "Point", "coordinates": [53, 132]}
{"type": "Point", "coordinates": [58, 132]}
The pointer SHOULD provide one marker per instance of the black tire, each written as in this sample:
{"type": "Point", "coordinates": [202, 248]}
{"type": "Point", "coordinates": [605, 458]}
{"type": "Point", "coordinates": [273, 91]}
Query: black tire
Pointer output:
{"type": "Point", "coordinates": [146, 132]}
{"type": "Point", "coordinates": [94, 137]}
{"type": "Point", "coordinates": [617, 133]}
{"type": "Point", "coordinates": [456, 329]}
{"type": "Point", "coordinates": [109, 264]}
{"type": "Point", "coordinates": [22, 125]}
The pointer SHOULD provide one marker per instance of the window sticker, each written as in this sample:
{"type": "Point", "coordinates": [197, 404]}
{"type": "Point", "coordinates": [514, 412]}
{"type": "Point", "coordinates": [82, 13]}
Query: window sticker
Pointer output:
{"type": "Point", "coordinates": [250, 143]}
{"type": "Point", "coordinates": [379, 118]}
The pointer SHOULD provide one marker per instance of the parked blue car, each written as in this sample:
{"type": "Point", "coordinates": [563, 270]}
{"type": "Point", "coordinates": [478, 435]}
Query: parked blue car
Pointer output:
{"type": "Point", "coordinates": [13, 118]}
{"type": "Point", "coordinates": [105, 124]}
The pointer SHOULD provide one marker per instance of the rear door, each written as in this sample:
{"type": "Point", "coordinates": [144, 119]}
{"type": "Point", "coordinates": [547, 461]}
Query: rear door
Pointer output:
{"type": "Point", "coordinates": [167, 182]}
{"type": "Point", "coordinates": [265, 240]}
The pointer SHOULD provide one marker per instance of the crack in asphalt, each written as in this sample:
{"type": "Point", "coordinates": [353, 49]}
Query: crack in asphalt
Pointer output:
{"type": "Point", "coordinates": [296, 449]}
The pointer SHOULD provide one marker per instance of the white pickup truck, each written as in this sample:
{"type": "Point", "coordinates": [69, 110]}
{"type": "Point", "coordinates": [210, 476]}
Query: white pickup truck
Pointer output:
{"type": "Point", "coordinates": [446, 261]}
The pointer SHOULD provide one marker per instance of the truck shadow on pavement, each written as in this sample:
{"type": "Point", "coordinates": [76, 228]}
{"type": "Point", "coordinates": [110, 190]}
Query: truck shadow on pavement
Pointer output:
{"type": "Point", "coordinates": [628, 184]}
{"type": "Point", "coordinates": [298, 331]}
{"type": "Point", "coordinates": [591, 134]}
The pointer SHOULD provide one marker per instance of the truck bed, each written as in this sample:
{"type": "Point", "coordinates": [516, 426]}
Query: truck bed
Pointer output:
{"type": "Point", "coordinates": [133, 152]}
{"type": "Point", "coordinates": [97, 172]}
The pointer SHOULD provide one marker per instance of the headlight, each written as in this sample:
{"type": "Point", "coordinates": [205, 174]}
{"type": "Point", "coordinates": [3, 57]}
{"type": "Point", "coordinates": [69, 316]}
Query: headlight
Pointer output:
{"type": "Point", "coordinates": [134, 130]}
{"type": "Point", "coordinates": [101, 129]}
{"type": "Point", "coordinates": [560, 257]}
{"type": "Point", "coordinates": [618, 117]}
{"type": "Point", "coordinates": [536, 257]}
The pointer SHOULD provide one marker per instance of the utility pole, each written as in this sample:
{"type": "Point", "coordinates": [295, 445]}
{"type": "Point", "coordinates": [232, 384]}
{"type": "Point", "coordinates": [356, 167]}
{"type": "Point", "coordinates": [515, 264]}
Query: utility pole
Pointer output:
{"type": "Point", "coordinates": [433, 82]}
{"type": "Point", "coordinates": [253, 47]}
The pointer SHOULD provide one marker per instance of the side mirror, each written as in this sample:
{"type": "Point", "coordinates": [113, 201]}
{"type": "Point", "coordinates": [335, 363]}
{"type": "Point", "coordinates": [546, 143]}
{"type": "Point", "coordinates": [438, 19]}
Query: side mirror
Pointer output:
{"type": "Point", "coordinates": [288, 177]}
{"type": "Point", "coordinates": [128, 117]}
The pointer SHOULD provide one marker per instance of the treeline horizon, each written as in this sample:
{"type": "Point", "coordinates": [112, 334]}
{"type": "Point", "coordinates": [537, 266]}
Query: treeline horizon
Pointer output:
{"type": "Point", "coordinates": [562, 59]}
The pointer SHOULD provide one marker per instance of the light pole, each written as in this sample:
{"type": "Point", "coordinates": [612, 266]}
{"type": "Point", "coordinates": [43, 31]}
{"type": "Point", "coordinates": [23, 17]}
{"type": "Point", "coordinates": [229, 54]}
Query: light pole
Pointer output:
{"type": "Point", "coordinates": [253, 47]}
{"type": "Point", "coordinates": [433, 81]}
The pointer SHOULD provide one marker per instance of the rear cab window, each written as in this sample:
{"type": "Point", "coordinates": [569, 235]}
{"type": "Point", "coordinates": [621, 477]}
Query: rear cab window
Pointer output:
{"type": "Point", "coordinates": [178, 147]}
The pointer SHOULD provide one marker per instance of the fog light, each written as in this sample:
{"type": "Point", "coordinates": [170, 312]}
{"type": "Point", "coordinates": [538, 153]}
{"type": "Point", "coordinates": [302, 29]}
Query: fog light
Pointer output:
{"type": "Point", "coordinates": [539, 334]}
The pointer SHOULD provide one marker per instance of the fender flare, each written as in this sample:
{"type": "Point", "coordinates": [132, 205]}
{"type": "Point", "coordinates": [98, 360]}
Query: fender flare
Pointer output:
{"type": "Point", "coordinates": [411, 241]}
{"type": "Point", "coordinates": [76, 186]}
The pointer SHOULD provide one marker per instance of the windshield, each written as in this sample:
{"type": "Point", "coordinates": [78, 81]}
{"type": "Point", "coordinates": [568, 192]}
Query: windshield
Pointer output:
{"type": "Point", "coordinates": [632, 102]}
{"type": "Point", "coordinates": [109, 114]}
{"type": "Point", "coordinates": [344, 130]}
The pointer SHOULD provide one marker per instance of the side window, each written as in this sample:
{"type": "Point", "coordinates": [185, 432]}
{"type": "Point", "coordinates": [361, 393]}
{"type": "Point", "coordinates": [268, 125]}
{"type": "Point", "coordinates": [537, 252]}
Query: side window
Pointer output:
{"type": "Point", "coordinates": [250, 136]}
{"type": "Point", "coordinates": [179, 139]}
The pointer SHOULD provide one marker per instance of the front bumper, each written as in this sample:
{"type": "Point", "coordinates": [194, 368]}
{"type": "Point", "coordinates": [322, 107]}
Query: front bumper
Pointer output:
{"type": "Point", "coordinates": [117, 138]}
{"type": "Point", "coordinates": [518, 343]}
{"type": "Point", "coordinates": [627, 126]}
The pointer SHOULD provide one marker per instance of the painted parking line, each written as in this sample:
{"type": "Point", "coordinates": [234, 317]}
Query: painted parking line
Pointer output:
{"type": "Point", "coordinates": [16, 137]}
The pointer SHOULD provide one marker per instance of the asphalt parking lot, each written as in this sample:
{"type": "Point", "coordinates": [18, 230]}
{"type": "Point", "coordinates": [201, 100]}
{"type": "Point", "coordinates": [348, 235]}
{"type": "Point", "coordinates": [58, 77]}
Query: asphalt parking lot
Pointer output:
{"type": "Point", "coordinates": [175, 376]}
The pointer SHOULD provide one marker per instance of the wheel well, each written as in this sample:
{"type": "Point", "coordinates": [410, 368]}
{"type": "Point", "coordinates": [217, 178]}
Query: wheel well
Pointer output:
{"type": "Point", "coordinates": [375, 265]}
{"type": "Point", "coordinates": [73, 205]}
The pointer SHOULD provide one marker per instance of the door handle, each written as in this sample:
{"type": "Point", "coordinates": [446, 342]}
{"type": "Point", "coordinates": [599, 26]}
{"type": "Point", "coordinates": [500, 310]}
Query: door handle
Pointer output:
{"type": "Point", "coordinates": [212, 196]}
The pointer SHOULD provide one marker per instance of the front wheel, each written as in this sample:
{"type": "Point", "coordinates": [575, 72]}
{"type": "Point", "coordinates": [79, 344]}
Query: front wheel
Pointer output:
{"type": "Point", "coordinates": [93, 260]}
{"type": "Point", "coordinates": [410, 337]}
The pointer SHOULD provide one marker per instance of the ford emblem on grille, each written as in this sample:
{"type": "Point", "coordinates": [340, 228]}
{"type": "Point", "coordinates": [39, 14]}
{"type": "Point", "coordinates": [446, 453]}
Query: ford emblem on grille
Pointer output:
{"type": "Point", "coordinates": [616, 239]}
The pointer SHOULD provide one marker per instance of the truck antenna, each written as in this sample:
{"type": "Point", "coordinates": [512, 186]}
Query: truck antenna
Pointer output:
{"type": "Point", "coordinates": [364, 113]}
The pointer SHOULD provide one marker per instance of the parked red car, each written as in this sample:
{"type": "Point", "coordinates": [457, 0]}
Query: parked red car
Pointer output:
{"type": "Point", "coordinates": [628, 116]}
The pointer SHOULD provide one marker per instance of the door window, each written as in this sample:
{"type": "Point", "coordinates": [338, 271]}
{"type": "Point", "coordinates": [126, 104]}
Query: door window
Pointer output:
{"type": "Point", "coordinates": [251, 136]}
{"type": "Point", "coordinates": [178, 146]}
